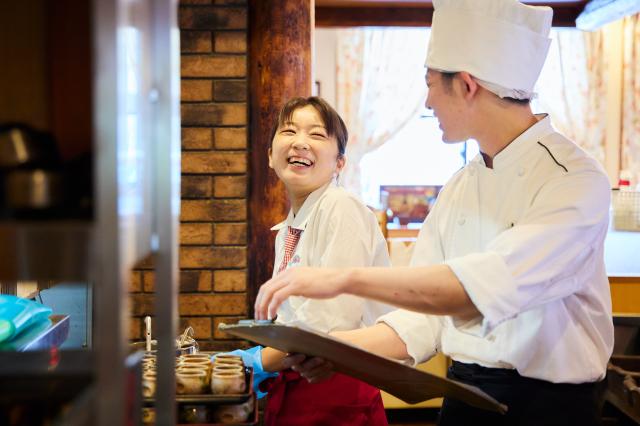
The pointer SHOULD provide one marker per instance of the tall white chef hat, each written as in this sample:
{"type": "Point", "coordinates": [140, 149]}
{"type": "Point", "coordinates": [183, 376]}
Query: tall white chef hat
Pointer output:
{"type": "Point", "coordinates": [502, 43]}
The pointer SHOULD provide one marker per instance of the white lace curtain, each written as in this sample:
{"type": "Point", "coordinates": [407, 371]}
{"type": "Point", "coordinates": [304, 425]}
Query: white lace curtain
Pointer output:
{"type": "Point", "coordinates": [572, 88]}
{"type": "Point", "coordinates": [631, 96]}
{"type": "Point", "coordinates": [380, 87]}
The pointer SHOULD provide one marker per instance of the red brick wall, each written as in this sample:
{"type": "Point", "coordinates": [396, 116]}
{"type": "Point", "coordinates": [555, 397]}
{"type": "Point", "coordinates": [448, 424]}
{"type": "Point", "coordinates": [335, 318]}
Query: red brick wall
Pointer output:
{"type": "Point", "coordinates": [213, 230]}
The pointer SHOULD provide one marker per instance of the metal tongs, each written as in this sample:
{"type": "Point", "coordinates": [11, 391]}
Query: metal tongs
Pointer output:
{"type": "Point", "coordinates": [186, 339]}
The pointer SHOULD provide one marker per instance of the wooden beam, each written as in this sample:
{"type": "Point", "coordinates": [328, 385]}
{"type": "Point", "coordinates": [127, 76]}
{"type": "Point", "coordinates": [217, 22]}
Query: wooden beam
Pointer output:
{"type": "Point", "coordinates": [280, 34]}
{"type": "Point", "coordinates": [418, 16]}
{"type": "Point", "coordinates": [373, 16]}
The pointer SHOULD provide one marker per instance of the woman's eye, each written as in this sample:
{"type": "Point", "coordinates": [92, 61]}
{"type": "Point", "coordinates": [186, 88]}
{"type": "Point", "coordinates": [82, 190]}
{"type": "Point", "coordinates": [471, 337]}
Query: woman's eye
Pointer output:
{"type": "Point", "coordinates": [319, 135]}
{"type": "Point", "coordinates": [287, 132]}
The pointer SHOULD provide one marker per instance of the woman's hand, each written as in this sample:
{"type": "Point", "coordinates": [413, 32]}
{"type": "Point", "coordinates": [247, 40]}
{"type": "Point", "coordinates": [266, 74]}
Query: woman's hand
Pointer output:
{"type": "Point", "coordinates": [313, 369]}
{"type": "Point", "coordinates": [316, 283]}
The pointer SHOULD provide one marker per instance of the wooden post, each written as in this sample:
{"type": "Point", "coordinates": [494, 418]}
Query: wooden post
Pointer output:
{"type": "Point", "coordinates": [280, 34]}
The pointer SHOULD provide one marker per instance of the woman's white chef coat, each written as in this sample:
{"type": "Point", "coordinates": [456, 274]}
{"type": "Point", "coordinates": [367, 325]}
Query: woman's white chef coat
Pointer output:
{"type": "Point", "coordinates": [338, 231]}
{"type": "Point", "coordinates": [526, 240]}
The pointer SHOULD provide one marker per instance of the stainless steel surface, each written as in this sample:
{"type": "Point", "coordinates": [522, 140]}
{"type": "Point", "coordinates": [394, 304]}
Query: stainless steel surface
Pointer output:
{"type": "Point", "coordinates": [40, 337]}
{"type": "Point", "coordinates": [33, 189]}
{"type": "Point", "coordinates": [166, 198]}
{"type": "Point", "coordinates": [21, 145]}
{"type": "Point", "coordinates": [44, 375]}
{"type": "Point", "coordinates": [52, 250]}
{"type": "Point", "coordinates": [623, 378]}
{"type": "Point", "coordinates": [141, 346]}
{"type": "Point", "coordinates": [135, 41]}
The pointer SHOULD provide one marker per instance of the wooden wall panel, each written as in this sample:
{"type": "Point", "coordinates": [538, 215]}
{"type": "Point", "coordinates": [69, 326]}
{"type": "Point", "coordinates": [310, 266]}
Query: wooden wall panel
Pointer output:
{"type": "Point", "coordinates": [280, 33]}
{"type": "Point", "coordinates": [625, 294]}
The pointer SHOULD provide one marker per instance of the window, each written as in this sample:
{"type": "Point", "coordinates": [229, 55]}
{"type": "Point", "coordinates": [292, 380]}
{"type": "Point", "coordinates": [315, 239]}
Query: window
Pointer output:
{"type": "Point", "coordinates": [414, 156]}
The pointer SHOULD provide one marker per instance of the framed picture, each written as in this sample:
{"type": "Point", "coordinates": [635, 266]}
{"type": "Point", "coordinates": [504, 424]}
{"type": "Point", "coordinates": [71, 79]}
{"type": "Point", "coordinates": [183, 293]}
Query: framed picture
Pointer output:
{"type": "Point", "coordinates": [408, 204]}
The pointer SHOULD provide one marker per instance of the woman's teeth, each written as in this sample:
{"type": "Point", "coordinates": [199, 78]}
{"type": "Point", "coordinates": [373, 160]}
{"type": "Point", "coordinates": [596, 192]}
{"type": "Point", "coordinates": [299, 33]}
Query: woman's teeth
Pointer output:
{"type": "Point", "coordinates": [300, 161]}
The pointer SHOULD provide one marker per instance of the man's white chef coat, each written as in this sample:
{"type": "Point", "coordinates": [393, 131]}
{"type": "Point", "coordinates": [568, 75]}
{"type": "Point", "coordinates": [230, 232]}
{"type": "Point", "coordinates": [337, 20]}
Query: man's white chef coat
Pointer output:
{"type": "Point", "coordinates": [338, 231]}
{"type": "Point", "coordinates": [526, 240]}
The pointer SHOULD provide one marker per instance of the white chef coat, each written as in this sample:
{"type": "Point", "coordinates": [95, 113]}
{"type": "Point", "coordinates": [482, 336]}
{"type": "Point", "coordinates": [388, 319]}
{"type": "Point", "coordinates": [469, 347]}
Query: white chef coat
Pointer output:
{"type": "Point", "coordinates": [526, 241]}
{"type": "Point", "coordinates": [338, 231]}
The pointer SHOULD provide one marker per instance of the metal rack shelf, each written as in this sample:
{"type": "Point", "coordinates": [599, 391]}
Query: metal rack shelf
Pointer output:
{"type": "Point", "coordinates": [43, 336]}
{"type": "Point", "coordinates": [44, 375]}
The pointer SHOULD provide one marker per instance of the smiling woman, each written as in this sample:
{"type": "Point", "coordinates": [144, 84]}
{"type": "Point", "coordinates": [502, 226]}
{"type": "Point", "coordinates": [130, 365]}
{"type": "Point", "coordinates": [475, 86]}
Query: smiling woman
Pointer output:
{"type": "Point", "coordinates": [307, 154]}
{"type": "Point", "coordinates": [307, 148]}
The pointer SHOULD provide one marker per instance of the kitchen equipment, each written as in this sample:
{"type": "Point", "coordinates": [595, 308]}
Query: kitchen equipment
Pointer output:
{"type": "Point", "coordinates": [407, 383]}
{"type": "Point", "coordinates": [185, 344]}
{"type": "Point", "coordinates": [33, 189]}
{"type": "Point", "coordinates": [31, 179]}
{"type": "Point", "coordinates": [21, 145]}
{"type": "Point", "coordinates": [147, 334]}
{"type": "Point", "coordinates": [623, 384]}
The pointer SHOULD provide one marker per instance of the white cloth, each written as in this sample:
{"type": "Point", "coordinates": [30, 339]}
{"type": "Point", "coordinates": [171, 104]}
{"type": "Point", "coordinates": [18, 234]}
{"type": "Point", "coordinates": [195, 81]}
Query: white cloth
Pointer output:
{"type": "Point", "coordinates": [503, 43]}
{"type": "Point", "coordinates": [338, 231]}
{"type": "Point", "coordinates": [526, 240]}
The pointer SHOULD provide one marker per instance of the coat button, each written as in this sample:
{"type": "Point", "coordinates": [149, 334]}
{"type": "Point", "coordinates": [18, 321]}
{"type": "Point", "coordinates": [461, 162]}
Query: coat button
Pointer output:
{"type": "Point", "coordinates": [472, 171]}
{"type": "Point", "coordinates": [521, 171]}
{"type": "Point", "coordinates": [461, 221]}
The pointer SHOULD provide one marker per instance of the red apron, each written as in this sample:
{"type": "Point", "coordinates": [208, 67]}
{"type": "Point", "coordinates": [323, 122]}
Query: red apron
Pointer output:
{"type": "Point", "coordinates": [340, 400]}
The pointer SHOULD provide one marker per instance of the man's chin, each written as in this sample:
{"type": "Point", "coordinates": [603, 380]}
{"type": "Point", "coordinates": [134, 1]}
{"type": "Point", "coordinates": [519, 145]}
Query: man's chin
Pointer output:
{"type": "Point", "coordinates": [451, 139]}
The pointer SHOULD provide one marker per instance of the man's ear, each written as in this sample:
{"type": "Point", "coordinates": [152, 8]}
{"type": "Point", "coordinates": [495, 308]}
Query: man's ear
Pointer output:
{"type": "Point", "coordinates": [470, 86]}
{"type": "Point", "coordinates": [269, 152]}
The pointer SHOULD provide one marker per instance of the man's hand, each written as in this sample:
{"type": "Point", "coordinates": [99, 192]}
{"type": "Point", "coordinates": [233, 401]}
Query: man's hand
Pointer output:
{"type": "Point", "coordinates": [314, 369]}
{"type": "Point", "coordinates": [315, 283]}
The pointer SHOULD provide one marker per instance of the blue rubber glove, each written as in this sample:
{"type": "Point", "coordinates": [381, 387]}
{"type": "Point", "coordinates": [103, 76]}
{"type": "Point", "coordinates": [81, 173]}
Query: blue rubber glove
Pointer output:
{"type": "Point", "coordinates": [252, 357]}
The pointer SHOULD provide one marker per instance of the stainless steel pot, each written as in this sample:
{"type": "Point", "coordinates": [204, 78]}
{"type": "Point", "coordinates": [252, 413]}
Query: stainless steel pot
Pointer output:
{"type": "Point", "coordinates": [20, 145]}
{"type": "Point", "coordinates": [33, 189]}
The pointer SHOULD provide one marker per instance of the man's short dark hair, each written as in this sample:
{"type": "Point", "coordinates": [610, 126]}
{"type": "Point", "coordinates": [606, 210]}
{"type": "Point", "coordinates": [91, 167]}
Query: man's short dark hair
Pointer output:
{"type": "Point", "coordinates": [447, 79]}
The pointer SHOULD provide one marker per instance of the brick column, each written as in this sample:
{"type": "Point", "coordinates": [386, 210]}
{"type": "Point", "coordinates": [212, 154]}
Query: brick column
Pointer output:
{"type": "Point", "coordinates": [213, 232]}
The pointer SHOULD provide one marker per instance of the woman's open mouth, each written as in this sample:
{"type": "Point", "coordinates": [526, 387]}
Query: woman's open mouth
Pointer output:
{"type": "Point", "coordinates": [300, 161]}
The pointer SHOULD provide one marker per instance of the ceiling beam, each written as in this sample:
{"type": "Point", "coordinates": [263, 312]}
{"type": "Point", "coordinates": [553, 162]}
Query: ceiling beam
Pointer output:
{"type": "Point", "coordinates": [418, 16]}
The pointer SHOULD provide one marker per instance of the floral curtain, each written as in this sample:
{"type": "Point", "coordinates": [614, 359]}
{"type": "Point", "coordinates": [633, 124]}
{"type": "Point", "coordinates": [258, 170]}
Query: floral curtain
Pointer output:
{"type": "Point", "coordinates": [631, 96]}
{"type": "Point", "coordinates": [572, 88]}
{"type": "Point", "coordinates": [380, 87]}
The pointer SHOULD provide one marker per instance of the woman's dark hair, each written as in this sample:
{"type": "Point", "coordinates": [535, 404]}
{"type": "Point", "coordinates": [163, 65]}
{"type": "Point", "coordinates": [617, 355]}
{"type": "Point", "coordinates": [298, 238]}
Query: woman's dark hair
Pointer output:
{"type": "Point", "coordinates": [447, 78]}
{"type": "Point", "coordinates": [330, 118]}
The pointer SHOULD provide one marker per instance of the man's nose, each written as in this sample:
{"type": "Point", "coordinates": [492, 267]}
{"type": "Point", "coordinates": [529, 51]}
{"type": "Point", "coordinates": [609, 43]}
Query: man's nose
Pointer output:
{"type": "Point", "coordinates": [427, 105]}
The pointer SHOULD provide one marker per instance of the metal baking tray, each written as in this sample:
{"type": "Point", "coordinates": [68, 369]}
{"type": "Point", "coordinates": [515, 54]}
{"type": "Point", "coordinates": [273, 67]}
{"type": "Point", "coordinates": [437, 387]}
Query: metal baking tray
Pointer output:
{"type": "Point", "coordinates": [407, 383]}
{"type": "Point", "coordinates": [211, 399]}
{"type": "Point", "coordinates": [251, 422]}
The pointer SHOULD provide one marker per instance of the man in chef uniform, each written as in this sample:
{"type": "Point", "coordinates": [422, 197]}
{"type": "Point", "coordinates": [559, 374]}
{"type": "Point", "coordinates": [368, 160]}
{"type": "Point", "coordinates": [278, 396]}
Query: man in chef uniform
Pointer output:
{"type": "Point", "coordinates": [508, 276]}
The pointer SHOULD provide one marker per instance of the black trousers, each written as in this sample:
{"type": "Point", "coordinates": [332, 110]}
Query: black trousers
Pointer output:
{"type": "Point", "coordinates": [530, 401]}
